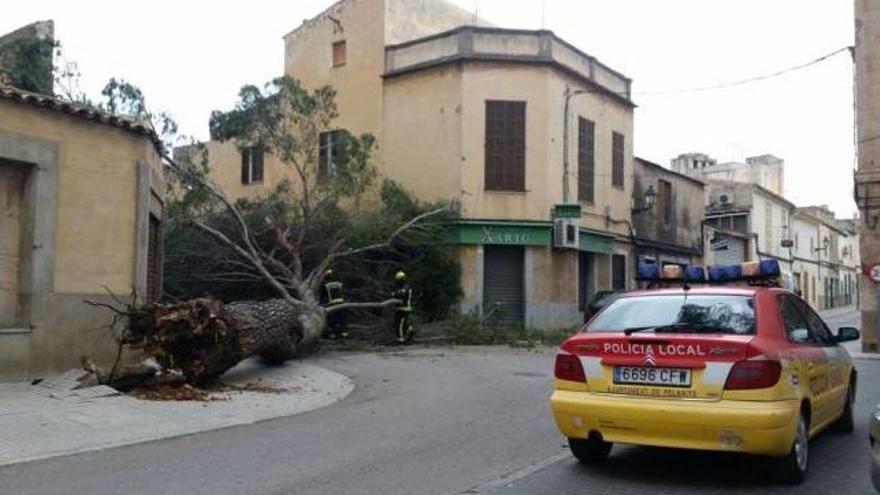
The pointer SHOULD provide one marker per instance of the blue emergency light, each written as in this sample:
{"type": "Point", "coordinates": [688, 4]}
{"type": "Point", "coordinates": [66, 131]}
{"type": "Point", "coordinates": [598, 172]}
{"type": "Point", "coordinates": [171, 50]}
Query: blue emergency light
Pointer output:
{"type": "Point", "coordinates": [750, 271]}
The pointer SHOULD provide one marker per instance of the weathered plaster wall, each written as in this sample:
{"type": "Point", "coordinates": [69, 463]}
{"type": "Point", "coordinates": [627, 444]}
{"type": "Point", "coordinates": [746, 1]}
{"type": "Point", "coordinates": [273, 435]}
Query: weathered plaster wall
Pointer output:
{"type": "Point", "coordinates": [82, 207]}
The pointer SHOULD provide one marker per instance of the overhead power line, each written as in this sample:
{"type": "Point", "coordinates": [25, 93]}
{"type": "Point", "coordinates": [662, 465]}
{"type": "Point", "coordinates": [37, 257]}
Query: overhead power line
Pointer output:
{"type": "Point", "coordinates": [748, 80]}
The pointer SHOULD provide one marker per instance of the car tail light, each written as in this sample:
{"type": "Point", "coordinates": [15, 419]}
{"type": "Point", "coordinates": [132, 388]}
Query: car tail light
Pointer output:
{"type": "Point", "coordinates": [568, 367]}
{"type": "Point", "coordinates": [746, 375]}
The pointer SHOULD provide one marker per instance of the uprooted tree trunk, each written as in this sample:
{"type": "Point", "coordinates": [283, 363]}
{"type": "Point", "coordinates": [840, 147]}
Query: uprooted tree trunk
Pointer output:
{"type": "Point", "coordinates": [203, 338]}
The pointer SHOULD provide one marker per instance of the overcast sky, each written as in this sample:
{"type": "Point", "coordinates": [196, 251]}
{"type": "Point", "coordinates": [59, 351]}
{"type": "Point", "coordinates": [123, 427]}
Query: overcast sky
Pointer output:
{"type": "Point", "coordinates": [191, 58]}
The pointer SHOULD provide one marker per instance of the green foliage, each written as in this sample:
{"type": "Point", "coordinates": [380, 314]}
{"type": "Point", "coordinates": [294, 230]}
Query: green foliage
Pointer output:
{"type": "Point", "coordinates": [27, 62]}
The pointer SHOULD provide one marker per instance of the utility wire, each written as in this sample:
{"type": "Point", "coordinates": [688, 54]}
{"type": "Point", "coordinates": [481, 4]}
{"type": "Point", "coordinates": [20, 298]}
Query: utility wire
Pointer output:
{"type": "Point", "coordinates": [748, 80]}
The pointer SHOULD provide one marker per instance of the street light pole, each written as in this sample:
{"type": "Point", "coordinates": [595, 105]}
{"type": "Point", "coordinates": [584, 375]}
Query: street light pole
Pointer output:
{"type": "Point", "coordinates": [569, 93]}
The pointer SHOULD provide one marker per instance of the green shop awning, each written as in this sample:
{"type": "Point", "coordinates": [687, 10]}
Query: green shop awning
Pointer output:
{"type": "Point", "coordinates": [507, 233]}
{"type": "Point", "coordinates": [596, 242]}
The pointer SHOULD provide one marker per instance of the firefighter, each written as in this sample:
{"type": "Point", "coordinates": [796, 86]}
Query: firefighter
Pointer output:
{"type": "Point", "coordinates": [403, 330]}
{"type": "Point", "coordinates": [332, 295]}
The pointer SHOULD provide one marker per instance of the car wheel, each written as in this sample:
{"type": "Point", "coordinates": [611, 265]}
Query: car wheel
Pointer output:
{"type": "Point", "coordinates": [793, 467]}
{"type": "Point", "coordinates": [846, 423]}
{"type": "Point", "coordinates": [589, 450]}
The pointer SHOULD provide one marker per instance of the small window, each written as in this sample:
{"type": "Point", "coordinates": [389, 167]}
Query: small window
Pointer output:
{"type": "Point", "coordinates": [617, 159]}
{"type": "Point", "coordinates": [252, 165]}
{"type": "Point", "coordinates": [618, 272]}
{"type": "Point", "coordinates": [339, 53]}
{"type": "Point", "coordinates": [328, 154]}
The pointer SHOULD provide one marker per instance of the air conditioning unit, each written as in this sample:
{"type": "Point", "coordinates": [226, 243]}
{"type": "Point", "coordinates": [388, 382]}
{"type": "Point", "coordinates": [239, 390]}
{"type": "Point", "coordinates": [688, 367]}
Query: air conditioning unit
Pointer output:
{"type": "Point", "coordinates": [565, 233]}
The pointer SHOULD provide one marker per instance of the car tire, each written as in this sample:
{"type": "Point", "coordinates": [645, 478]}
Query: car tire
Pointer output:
{"type": "Point", "coordinates": [792, 469]}
{"type": "Point", "coordinates": [846, 422]}
{"type": "Point", "coordinates": [590, 450]}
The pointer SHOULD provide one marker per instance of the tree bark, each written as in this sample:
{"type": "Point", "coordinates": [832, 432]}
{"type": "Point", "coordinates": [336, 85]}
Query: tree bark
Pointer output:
{"type": "Point", "coordinates": [203, 338]}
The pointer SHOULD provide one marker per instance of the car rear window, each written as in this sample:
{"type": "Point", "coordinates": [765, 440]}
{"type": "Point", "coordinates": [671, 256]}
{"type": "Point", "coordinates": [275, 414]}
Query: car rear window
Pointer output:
{"type": "Point", "coordinates": [724, 314]}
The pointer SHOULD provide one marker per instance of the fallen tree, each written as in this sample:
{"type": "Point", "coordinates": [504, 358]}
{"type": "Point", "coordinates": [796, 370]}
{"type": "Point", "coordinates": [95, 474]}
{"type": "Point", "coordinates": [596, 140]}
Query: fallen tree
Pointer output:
{"type": "Point", "coordinates": [286, 241]}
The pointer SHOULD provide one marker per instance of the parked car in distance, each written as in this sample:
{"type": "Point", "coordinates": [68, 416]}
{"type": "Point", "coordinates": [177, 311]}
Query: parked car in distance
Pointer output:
{"type": "Point", "coordinates": [599, 300]}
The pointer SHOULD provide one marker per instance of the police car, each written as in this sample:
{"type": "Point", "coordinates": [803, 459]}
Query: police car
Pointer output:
{"type": "Point", "coordinates": [706, 365]}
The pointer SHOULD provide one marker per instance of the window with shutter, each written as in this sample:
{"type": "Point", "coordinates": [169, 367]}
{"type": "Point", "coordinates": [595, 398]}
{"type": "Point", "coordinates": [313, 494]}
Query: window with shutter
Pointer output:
{"type": "Point", "coordinates": [586, 160]}
{"type": "Point", "coordinates": [617, 159]}
{"type": "Point", "coordinates": [505, 145]}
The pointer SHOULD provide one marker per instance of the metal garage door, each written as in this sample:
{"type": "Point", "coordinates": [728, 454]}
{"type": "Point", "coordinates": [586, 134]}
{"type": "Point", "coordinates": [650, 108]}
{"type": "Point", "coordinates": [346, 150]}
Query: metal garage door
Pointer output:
{"type": "Point", "coordinates": [504, 283]}
{"type": "Point", "coordinates": [735, 252]}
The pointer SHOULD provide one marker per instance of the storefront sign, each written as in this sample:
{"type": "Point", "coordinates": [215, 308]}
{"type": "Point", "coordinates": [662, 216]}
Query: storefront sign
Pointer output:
{"type": "Point", "coordinates": [513, 234]}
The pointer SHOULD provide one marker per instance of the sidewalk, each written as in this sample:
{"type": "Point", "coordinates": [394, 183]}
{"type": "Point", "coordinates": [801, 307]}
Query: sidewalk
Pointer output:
{"type": "Point", "coordinates": [50, 419]}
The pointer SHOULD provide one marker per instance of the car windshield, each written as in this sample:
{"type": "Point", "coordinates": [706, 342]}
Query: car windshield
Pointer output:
{"type": "Point", "coordinates": [725, 314]}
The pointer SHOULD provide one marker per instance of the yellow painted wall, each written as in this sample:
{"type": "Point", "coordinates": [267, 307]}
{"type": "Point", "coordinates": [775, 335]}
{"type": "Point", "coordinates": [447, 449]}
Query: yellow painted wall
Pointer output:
{"type": "Point", "coordinates": [97, 190]}
{"type": "Point", "coordinates": [225, 162]}
{"type": "Point", "coordinates": [308, 57]}
{"type": "Point", "coordinates": [423, 132]}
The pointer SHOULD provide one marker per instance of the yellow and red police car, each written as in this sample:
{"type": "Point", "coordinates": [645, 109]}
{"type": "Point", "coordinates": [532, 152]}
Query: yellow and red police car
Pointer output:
{"type": "Point", "coordinates": [742, 368]}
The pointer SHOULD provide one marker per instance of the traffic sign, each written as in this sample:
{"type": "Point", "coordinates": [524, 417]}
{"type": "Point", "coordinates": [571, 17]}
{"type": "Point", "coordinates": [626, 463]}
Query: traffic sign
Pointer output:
{"type": "Point", "coordinates": [874, 273]}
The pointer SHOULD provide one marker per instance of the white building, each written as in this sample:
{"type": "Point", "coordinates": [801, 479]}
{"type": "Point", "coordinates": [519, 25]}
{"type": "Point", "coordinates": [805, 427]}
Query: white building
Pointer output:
{"type": "Point", "coordinates": [747, 222]}
{"type": "Point", "coordinates": [767, 171]}
{"type": "Point", "coordinates": [817, 268]}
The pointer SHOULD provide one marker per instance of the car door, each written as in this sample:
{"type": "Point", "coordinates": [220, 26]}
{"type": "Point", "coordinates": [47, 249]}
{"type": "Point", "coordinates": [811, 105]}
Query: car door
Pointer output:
{"type": "Point", "coordinates": [809, 360]}
{"type": "Point", "coordinates": [837, 361]}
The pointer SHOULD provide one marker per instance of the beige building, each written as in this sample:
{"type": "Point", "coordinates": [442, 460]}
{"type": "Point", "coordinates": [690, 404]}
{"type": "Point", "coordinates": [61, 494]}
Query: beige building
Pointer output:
{"type": "Point", "coordinates": [477, 114]}
{"type": "Point", "coordinates": [867, 58]}
{"type": "Point", "coordinates": [80, 215]}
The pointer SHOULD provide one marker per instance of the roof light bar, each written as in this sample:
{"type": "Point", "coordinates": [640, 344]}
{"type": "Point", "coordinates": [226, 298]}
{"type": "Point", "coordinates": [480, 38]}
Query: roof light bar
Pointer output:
{"type": "Point", "coordinates": [766, 271]}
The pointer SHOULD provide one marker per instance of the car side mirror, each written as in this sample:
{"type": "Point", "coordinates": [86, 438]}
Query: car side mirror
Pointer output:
{"type": "Point", "coordinates": [847, 334]}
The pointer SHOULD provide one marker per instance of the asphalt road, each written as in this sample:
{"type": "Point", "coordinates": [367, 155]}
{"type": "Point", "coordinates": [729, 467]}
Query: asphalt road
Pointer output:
{"type": "Point", "coordinates": [433, 421]}
{"type": "Point", "coordinates": [839, 463]}
{"type": "Point", "coordinates": [430, 421]}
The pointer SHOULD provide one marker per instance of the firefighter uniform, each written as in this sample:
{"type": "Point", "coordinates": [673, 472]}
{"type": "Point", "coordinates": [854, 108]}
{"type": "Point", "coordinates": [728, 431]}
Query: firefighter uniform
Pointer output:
{"type": "Point", "coordinates": [333, 295]}
{"type": "Point", "coordinates": [403, 330]}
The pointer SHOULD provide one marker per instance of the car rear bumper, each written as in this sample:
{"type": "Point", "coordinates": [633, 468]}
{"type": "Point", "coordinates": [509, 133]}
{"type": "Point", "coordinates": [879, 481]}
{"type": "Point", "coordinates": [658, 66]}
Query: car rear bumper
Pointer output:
{"type": "Point", "coordinates": [766, 428]}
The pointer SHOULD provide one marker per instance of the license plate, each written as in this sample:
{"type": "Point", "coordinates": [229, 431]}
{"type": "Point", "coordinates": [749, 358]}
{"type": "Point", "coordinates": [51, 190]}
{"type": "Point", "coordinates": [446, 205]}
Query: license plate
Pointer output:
{"type": "Point", "coordinates": [665, 377]}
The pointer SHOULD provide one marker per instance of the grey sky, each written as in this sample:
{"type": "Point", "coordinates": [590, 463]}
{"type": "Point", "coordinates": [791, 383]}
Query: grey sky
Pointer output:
{"type": "Point", "coordinates": [191, 58]}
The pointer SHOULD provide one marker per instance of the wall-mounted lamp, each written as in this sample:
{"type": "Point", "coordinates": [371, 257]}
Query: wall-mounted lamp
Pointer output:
{"type": "Point", "coordinates": [650, 199]}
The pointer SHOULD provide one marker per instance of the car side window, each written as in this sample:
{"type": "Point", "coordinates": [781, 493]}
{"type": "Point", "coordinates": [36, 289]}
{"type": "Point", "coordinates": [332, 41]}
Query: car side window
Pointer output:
{"type": "Point", "coordinates": [796, 326]}
{"type": "Point", "coordinates": [820, 333]}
